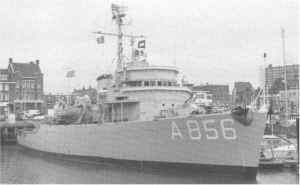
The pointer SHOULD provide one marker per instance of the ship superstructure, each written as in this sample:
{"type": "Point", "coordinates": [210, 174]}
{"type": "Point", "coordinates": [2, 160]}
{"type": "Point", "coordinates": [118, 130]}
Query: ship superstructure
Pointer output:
{"type": "Point", "coordinates": [139, 91]}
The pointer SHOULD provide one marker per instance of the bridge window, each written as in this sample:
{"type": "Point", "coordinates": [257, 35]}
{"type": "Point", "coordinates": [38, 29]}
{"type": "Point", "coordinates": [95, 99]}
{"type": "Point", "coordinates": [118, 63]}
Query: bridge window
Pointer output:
{"type": "Point", "coordinates": [151, 83]}
{"type": "Point", "coordinates": [134, 83]}
{"type": "Point", "coordinates": [138, 83]}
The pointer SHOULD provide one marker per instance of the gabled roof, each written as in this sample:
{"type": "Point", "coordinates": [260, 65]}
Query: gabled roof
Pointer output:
{"type": "Point", "coordinates": [26, 69]}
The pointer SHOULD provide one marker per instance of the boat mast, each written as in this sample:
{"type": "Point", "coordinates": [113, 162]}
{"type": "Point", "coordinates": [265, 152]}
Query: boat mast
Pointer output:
{"type": "Point", "coordinates": [285, 77]}
{"type": "Point", "coordinates": [118, 13]}
{"type": "Point", "coordinates": [265, 72]}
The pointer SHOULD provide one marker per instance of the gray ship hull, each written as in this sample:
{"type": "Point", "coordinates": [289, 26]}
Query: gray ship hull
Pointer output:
{"type": "Point", "coordinates": [198, 141]}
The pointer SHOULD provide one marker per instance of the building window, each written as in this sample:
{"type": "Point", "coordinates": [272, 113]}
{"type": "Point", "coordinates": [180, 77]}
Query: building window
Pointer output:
{"type": "Point", "coordinates": [5, 97]}
{"type": "Point", "coordinates": [18, 84]}
{"type": "Point", "coordinates": [24, 84]}
{"type": "Point", "coordinates": [6, 87]}
{"type": "Point", "coordinates": [159, 83]}
{"type": "Point", "coordinates": [146, 83]}
{"type": "Point", "coordinates": [3, 77]}
{"type": "Point", "coordinates": [23, 97]}
{"type": "Point", "coordinates": [152, 83]}
{"type": "Point", "coordinates": [38, 84]}
{"type": "Point", "coordinates": [32, 84]}
{"type": "Point", "coordinates": [138, 83]}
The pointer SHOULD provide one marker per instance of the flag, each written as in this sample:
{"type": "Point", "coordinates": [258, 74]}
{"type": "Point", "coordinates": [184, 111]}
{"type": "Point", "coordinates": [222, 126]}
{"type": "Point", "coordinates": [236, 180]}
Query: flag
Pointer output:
{"type": "Point", "coordinates": [142, 44]}
{"type": "Point", "coordinates": [70, 74]}
{"type": "Point", "coordinates": [100, 40]}
{"type": "Point", "coordinates": [139, 53]}
{"type": "Point", "coordinates": [265, 55]}
{"type": "Point", "coordinates": [136, 53]}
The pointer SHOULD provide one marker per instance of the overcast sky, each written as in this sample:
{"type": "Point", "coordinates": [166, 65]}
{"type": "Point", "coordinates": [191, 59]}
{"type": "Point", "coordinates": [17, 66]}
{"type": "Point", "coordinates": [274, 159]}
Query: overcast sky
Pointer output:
{"type": "Point", "coordinates": [214, 41]}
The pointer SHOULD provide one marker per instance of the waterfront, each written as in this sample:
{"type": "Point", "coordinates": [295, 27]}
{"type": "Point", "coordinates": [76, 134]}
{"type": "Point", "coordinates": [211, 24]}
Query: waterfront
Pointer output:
{"type": "Point", "coordinates": [20, 165]}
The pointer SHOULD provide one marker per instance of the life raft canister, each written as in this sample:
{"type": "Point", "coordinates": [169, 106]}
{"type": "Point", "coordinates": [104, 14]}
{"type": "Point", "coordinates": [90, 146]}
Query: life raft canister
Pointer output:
{"type": "Point", "coordinates": [242, 115]}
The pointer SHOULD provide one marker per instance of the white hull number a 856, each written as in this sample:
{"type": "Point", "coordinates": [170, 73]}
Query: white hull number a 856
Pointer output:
{"type": "Point", "coordinates": [209, 130]}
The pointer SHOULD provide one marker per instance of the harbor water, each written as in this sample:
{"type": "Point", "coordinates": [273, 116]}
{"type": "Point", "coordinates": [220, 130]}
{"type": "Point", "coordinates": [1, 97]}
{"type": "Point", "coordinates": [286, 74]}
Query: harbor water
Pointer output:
{"type": "Point", "coordinates": [21, 165]}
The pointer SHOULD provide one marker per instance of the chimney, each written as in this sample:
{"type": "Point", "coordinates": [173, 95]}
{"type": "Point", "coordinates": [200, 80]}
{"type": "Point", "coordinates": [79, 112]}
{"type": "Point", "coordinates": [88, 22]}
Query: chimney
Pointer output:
{"type": "Point", "coordinates": [10, 60]}
{"type": "Point", "coordinates": [37, 62]}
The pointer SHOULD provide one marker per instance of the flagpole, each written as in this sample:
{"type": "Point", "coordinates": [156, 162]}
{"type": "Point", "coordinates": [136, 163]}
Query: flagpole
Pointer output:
{"type": "Point", "coordinates": [285, 78]}
{"type": "Point", "coordinates": [70, 86]}
{"type": "Point", "coordinates": [69, 75]}
{"type": "Point", "coordinates": [265, 78]}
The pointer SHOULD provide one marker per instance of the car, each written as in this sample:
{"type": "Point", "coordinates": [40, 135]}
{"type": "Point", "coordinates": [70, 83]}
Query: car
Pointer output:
{"type": "Point", "coordinates": [31, 113]}
{"type": "Point", "coordinates": [40, 117]}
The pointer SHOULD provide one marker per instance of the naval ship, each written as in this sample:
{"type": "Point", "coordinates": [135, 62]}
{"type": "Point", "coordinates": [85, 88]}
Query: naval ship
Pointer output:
{"type": "Point", "coordinates": [145, 116]}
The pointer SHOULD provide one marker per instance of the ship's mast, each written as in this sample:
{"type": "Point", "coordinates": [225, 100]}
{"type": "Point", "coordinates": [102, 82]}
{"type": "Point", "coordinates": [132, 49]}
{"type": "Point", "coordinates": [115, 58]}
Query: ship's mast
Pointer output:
{"type": "Point", "coordinates": [119, 12]}
{"type": "Point", "coordinates": [285, 77]}
{"type": "Point", "coordinates": [118, 15]}
{"type": "Point", "coordinates": [265, 72]}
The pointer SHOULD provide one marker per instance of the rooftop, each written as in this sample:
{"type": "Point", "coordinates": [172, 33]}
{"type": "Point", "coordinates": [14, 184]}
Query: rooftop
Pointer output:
{"type": "Point", "coordinates": [26, 69]}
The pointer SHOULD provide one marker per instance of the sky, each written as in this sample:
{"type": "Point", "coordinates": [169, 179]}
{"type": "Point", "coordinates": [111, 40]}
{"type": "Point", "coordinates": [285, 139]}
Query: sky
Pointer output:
{"type": "Point", "coordinates": [210, 41]}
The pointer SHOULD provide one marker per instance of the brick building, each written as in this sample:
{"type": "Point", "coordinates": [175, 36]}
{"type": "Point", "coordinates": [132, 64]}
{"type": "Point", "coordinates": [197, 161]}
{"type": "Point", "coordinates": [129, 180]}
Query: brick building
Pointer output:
{"type": "Point", "coordinates": [220, 93]}
{"type": "Point", "coordinates": [274, 72]}
{"type": "Point", "coordinates": [5, 91]}
{"type": "Point", "coordinates": [27, 93]}
{"type": "Point", "coordinates": [242, 93]}
{"type": "Point", "coordinates": [292, 100]}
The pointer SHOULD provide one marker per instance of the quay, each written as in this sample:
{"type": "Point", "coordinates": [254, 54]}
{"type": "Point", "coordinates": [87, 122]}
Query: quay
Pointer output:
{"type": "Point", "coordinates": [8, 131]}
{"type": "Point", "coordinates": [279, 163]}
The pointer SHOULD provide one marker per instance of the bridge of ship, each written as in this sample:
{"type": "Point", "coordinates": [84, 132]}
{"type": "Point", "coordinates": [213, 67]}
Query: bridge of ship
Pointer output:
{"type": "Point", "coordinates": [139, 84]}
